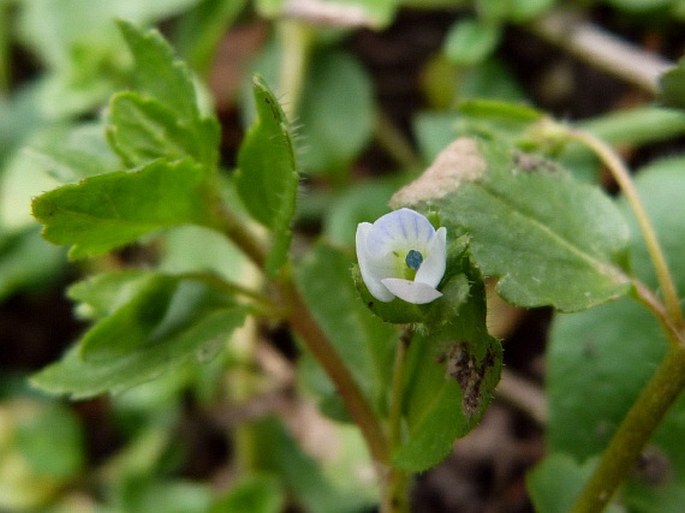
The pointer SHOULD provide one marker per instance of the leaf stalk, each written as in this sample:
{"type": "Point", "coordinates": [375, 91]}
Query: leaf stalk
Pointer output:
{"type": "Point", "coordinates": [396, 483]}
{"type": "Point", "coordinates": [622, 176]}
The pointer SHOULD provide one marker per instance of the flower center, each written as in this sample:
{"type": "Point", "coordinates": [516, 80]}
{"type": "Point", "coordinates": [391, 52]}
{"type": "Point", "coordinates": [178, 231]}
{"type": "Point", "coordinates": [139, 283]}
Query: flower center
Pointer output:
{"type": "Point", "coordinates": [413, 259]}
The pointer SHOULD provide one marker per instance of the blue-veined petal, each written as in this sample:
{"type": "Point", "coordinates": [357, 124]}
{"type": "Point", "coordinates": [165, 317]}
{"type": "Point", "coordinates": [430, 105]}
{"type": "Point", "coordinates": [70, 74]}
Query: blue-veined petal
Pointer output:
{"type": "Point", "coordinates": [433, 266]}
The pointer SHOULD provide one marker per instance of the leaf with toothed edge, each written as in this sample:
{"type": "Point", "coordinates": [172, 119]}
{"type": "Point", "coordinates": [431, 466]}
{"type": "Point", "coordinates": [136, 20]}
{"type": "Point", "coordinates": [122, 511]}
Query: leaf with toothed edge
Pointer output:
{"type": "Point", "coordinates": [158, 322]}
{"type": "Point", "coordinates": [108, 211]}
{"type": "Point", "coordinates": [267, 178]}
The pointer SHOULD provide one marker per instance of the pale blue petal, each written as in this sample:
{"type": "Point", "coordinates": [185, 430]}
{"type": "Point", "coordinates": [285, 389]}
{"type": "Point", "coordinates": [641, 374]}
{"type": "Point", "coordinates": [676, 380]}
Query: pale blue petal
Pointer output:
{"type": "Point", "coordinates": [404, 229]}
{"type": "Point", "coordinates": [373, 269]}
{"type": "Point", "coordinates": [412, 291]}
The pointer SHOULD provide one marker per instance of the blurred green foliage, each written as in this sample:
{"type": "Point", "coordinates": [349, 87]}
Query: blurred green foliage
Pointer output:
{"type": "Point", "coordinates": [120, 142]}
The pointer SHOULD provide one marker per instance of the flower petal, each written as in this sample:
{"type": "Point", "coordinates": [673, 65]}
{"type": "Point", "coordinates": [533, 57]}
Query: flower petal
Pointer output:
{"type": "Point", "coordinates": [402, 228]}
{"type": "Point", "coordinates": [433, 266]}
{"type": "Point", "coordinates": [411, 291]}
{"type": "Point", "coordinates": [373, 270]}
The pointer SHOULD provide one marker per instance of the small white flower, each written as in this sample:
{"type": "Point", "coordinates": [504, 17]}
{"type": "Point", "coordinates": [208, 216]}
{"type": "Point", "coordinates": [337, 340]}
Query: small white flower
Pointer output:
{"type": "Point", "coordinates": [402, 255]}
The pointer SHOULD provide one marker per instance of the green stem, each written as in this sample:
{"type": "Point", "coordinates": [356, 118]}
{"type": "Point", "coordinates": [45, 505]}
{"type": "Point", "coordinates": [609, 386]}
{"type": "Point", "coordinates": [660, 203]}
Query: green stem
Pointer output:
{"type": "Point", "coordinates": [301, 320]}
{"type": "Point", "coordinates": [397, 387]}
{"type": "Point", "coordinates": [319, 345]}
{"type": "Point", "coordinates": [667, 383]}
{"type": "Point", "coordinates": [622, 176]}
{"type": "Point", "coordinates": [634, 432]}
{"type": "Point", "coordinates": [654, 305]}
{"type": "Point", "coordinates": [396, 482]}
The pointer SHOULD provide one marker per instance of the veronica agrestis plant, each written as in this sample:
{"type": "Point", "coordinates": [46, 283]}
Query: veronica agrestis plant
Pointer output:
{"type": "Point", "coordinates": [550, 240]}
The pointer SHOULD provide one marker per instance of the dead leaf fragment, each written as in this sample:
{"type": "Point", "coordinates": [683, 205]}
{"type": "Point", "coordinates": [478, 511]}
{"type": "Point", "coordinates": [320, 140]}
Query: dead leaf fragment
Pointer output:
{"type": "Point", "coordinates": [461, 161]}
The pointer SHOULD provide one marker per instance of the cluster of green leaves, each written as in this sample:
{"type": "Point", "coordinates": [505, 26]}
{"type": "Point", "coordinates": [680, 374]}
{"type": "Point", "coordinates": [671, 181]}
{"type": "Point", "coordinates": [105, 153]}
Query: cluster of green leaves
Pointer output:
{"type": "Point", "coordinates": [81, 60]}
{"type": "Point", "coordinates": [165, 190]}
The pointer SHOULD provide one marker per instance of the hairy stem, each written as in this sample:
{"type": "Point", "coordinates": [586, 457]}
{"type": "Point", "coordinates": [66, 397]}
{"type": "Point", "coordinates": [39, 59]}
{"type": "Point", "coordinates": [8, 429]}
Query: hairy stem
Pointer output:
{"type": "Point", "coordinates": [634, 432]}
{"type": "Point", "coordinates": [622, 176]}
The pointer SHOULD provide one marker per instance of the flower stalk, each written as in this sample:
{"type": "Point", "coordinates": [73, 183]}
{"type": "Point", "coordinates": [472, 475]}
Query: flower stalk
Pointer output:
{"type": "Point", "coordinates": [634, 432]}
{"type": "Point", "coordinates": [317, 342]}
{"type": "Point", "coordinates": [668, 382]}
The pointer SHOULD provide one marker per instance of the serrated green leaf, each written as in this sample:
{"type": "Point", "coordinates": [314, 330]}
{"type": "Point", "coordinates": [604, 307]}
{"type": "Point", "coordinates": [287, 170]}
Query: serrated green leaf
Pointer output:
{"type": "Point", "coordinates": [453, 367]}
{"type": "Point", "coordinates": [162, 308]}
{"type": "Point", "coordinates": [158, 73]}
{"type": "Point", "coordinates": [166, 322]}
{"type": "Point", "coordinates": [267, 176]}
{"type": "Point", "coordinates": [165, 120]}
{"type": "Point", "coordinates": [105, 212]}
{"type": "Point", "coordinates": [470, 41]}
{"type": "Point", "coordinates": [364, 342]}
{"type": "Point", "coordinates": [549, 239]}
{"type": "Point", "coordinates": [143, 129]}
